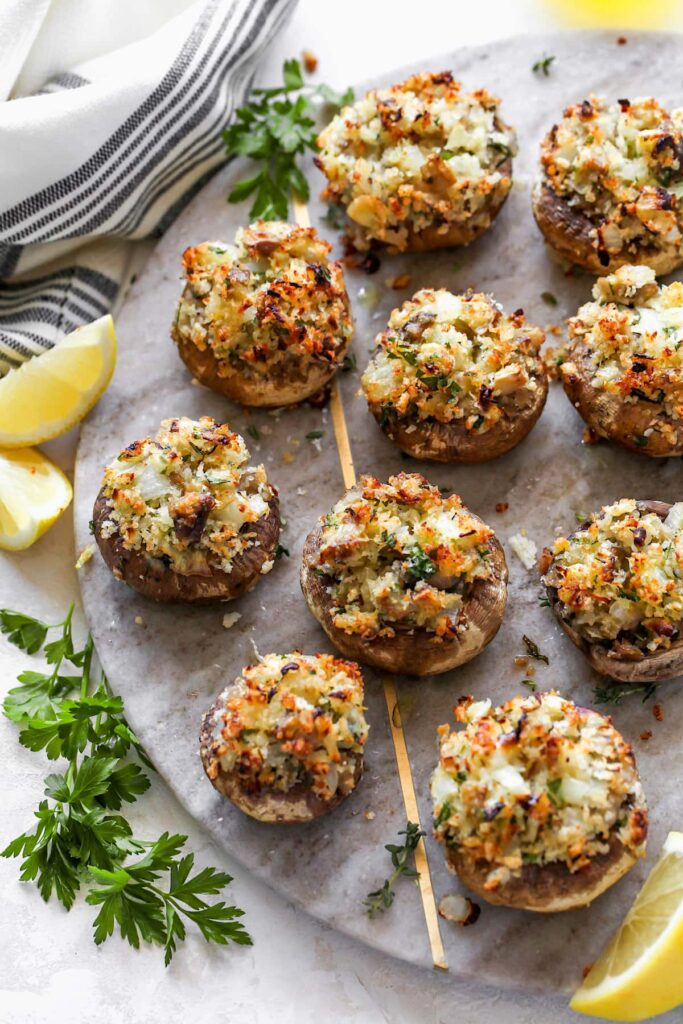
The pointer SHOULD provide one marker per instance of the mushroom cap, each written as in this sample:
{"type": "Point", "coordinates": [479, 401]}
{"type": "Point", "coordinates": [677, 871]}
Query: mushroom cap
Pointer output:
{"type": "Point", "coordinates": [413, 651]}
{"type": "Point", "coordinates": [571, 233]}
{"type": "Point", "coordinates": [652, 667]}
{"type": "Point", "coordinates": [153, 579]}
{"type": "Point", "coordinates": [298, 804]}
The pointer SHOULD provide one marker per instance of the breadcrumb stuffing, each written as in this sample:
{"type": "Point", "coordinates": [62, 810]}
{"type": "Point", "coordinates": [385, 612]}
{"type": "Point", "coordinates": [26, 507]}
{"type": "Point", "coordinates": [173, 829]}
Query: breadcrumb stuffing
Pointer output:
{"type": "Point", "coordinates": [85, 555]}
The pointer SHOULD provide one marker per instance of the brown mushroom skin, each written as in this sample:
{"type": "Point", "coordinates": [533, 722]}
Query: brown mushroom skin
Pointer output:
{"type": "Point", "coordinates": [154, 580]}
{"type": "Point", "coordinates": [299, 804]}
{"type": "Point", "coordinates": [303, 377]}
{"type": "Point", "coordinates": [546, 888]}
{"type": "Point", "coordinates": [610, 417]}
{"type": "Point", "coordinates": [413, 652]}
{"type": "Point", "coordinates": [453, 442]}
{"type": "Point", "coordinates": [439, 236]}
{"type": "Point", "coordinates": [572, 234]}
{"type": "Point", "coordinates": [645, 668]}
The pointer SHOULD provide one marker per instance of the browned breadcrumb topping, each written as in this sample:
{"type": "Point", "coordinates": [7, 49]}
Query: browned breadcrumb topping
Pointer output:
{"type": "Point", "coordinates": [266, 303]}
{"type": "Point", "coordinates": [417, 155]}
{"type": "Point", "coordinates": [536, 781]}
{"type": "Point", "coordinates": [291, 719]}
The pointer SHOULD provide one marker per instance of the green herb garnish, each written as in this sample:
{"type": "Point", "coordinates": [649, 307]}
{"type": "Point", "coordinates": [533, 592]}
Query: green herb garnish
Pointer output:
{"type": "Point", "coordinates": [281, 550]}
{"type": "Point", "coordinates": [274, 129]}
{"type": "Point", "coordinates": [549, 298]}
{"type": "Point", "coordinates": [349, 363]}
{"type": "Point", "coordinates": [420, 565]}
{"type": "Point", "coordinates": [530, 684]}
{"type": "Point", "coordinates": [615, 693]}
{"type": "Point", "coordinates": [81, 840]}
{"type": "Point", "coordinates": [381, 899]}
{"type": "Point", "coordinates": [253, 431]}
{"type": "Point", "coordinates": [533, 651]}
{"type": "Point", "coordinates": [315, 435]}
{"type": "Point", "coordinates": [543, 65]}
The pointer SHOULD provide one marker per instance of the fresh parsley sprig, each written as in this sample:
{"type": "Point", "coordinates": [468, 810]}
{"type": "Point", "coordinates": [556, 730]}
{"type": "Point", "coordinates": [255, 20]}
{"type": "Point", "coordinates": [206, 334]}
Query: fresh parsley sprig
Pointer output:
{"type": "Point", "coordinates": [274, 128]}
{"type": "Point", "coordinates": [79, 839]}
{"type": "Point", "coordinates": [381, 899]}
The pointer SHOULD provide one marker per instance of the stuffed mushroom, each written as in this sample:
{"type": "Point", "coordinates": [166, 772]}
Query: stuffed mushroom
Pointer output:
{"type": "Point", "coordinates": [623, 368]}
{"type": "Point", "coordinates": [420, 165]}
{"type": "Point", "coordinates": [181, 516]}
{"type": "Point", "coordinates": [404, 579]}
{"type": "Point", "coordinates": [285, 742]}
{"type": "Point", "coordinates": [611, 177]}
{"type": "Point", "coordinates": [455, 379]}
{"type": "Point", "coordinates": [265, 321]}
{"type": "Point", "coordinates": [538, 802]}
{"type": "Point", "coordinates": [616, 587]}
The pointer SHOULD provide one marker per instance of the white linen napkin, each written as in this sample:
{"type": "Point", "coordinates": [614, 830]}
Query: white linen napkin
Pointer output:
{"type": "Point", "coordinates": [108, 153]}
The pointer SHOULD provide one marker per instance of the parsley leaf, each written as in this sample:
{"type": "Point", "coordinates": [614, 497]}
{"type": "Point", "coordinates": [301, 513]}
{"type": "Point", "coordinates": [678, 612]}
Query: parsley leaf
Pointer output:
{"type": "Point", "coordinates": [78, 837]}
{"type": "Point", "coordinates": [274, 129]}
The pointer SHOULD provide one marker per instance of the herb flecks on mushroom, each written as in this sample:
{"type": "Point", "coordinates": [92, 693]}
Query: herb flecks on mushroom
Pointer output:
{"type": "Point", "coordinates": [185, 496]}
{"type": "Point", "coordinates": [272, 299]}
{"type": "Point", "coordinates": [400, 554]}
{"type": "Point", "coordinates": [290, 720]}
{"type": "Point", "coordinates": [619, 578]}
{"type": "Point", "coordinates": [537, 781]}
{"type": "Point", "coordinates": [454, 358]}
{"type": "Point", "coordinates": [414, 163]}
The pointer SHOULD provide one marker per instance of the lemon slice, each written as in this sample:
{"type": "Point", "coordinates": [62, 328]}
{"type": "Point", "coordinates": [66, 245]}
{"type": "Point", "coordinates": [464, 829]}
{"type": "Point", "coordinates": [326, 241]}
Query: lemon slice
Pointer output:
{"type": "Point", "coordinates": [33, 494]}
{"type": "Point", "coordinates": [49, 394]}
{"type": "Point", "coordinates": [639, 974]}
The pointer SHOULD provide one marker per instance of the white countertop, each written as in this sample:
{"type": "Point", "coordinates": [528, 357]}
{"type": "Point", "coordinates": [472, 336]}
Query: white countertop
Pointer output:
{"type": "Point", "coordinates": [297, 971]}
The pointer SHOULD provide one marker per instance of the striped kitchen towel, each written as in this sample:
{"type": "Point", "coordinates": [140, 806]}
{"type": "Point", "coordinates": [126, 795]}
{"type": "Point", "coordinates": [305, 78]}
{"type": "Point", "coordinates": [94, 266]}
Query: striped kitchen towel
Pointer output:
{"type": "Point", "coordinates": [110, 152]}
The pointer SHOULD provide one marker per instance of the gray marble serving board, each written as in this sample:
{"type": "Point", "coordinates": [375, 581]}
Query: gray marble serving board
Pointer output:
{"type": "Point", "coordinates": [169, 666]}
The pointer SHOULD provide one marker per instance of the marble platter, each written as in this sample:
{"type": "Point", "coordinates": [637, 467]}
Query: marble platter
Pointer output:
{"type": "Point", "coordinates": [168, 663]}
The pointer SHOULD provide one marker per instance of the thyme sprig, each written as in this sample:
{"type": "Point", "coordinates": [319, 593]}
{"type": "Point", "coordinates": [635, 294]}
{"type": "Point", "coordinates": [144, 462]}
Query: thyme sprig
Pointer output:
{"type": "Point", "coordinates": [381, 899]}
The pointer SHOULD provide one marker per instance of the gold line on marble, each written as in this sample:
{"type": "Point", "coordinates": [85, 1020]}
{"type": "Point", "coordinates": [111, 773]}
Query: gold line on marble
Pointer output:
{"type": "Point", "coordinates": [405, 775]}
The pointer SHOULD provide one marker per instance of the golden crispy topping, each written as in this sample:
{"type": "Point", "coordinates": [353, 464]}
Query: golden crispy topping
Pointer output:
{"type": "Point", "coordinates": [621, 164]}
{"type": "Point", "coordinates": [632, 335]}
{"type": "Point", "coordinates": [453, 357]}
{"type": "Point", "coordinates": [185, 495]}
{"type": "Point", "coordinates": [536, 781]}
{"type": "Point", "coordinates": [292, 719]}
{"type": "Point", "coordinates": [621, 576]}
{"type": "Point", "coordinates": [414, 155]}
{"type": "Point", "coordinates": [272, 298]}
{"type": "Point", "coordinates": [399, 554]}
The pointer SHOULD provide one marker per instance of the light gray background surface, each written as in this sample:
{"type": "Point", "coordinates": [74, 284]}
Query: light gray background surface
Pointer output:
{"type": "Point", "coordinates": [298, 969]}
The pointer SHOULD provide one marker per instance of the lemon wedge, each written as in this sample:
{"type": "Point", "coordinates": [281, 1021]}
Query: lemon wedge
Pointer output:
{"type": "Point", "coordinates": [50, 393]}
{"type": "Point", "coordinates": [33, 494]}
{"type": "Point", "coordinates": [639, 974]}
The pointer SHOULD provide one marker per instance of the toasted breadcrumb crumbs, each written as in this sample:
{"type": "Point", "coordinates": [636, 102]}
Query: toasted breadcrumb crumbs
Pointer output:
{"type": "Point", "coordinates": [646, 735]}
{"type": "Point", "coordinates": [658, 712]}
{"type": "Point", "coordinates": [402, 281]}
{"type": "Point", "coordinates": [502, 506]}
{"type": "Point", "coordinates": [310, 61]}
{"type": "Point", "coordinates": [85, 555]}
